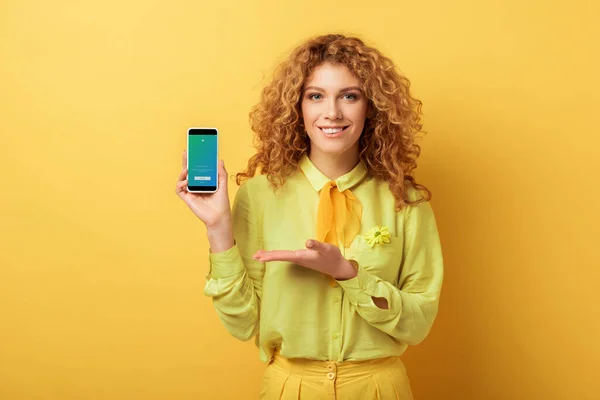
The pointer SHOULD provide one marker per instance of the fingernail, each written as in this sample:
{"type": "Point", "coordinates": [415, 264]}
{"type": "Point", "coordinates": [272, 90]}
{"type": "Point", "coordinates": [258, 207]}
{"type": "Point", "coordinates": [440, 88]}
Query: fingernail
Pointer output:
{"type": "Point", "coordinates": [310, 243]}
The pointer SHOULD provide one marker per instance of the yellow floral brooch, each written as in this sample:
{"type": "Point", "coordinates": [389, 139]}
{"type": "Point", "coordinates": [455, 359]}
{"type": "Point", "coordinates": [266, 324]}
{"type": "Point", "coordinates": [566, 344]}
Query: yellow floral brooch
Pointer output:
{"type": "Point", "coordinates": [378, 235]}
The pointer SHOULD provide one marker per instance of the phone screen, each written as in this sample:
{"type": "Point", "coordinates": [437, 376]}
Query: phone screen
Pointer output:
{"type": "Point", "coordinates": [202, 159]}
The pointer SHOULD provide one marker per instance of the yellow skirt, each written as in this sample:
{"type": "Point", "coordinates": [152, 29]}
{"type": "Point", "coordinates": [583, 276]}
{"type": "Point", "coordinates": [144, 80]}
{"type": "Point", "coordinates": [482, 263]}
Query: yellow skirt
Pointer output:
{"type": "Point", "coordinates": [304, 379]}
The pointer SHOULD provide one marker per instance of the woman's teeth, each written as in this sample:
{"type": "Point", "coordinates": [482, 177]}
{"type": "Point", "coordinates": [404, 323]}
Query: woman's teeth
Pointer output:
{"type": "Point", "coordinates": [332, 130]}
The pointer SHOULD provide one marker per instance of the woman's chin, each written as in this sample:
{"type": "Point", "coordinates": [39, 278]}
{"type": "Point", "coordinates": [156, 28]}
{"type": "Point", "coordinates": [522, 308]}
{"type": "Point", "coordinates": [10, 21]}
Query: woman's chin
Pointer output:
{"type": "Point", "coordinates": [331, 149]}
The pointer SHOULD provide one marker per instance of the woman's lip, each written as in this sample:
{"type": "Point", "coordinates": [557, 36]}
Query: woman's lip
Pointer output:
{"type": "Point", "coordinates": [334, 135]}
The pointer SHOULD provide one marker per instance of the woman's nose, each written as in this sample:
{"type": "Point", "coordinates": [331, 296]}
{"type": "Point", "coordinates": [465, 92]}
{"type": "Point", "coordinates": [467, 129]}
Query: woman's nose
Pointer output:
{"type": "Point", "coordinates": [333, 110]}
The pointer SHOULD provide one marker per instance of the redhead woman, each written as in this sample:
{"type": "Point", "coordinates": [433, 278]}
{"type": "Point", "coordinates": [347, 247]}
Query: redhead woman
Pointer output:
{"type": "Point", "coordinates": [330, 256]}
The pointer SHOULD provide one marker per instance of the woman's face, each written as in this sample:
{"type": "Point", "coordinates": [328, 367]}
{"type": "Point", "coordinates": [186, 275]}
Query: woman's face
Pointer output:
{"type": "Point", "coordinates": [334, 109]}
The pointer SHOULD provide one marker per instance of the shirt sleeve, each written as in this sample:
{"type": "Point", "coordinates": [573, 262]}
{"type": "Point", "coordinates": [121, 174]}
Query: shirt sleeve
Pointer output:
{"type": "Point", "coordinates": [234, 281]}
{"type": "Point", "coordinates": [413, 303]}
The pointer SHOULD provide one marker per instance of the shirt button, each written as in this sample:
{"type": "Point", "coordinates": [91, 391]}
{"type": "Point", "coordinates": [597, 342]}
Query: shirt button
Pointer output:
{"type": "Point", "coordinates": [331, 375]}
{"type": "Point", "coordinates": [336, 300]}
{"type": "Point", "coordinates": [335, 335]}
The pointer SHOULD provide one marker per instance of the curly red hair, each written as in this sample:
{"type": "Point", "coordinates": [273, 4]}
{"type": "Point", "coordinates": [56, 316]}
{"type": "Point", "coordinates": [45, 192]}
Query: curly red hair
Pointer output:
{"type": "Point", "coordinates": [387, 144]}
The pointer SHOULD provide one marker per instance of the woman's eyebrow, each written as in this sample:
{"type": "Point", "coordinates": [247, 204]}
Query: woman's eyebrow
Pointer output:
{"type": "Point", "coordinates": [341, 90]}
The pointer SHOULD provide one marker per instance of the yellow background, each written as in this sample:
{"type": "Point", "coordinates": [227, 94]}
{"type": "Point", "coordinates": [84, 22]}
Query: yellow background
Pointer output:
{"type": "Point", "coordinates": [102, 265]}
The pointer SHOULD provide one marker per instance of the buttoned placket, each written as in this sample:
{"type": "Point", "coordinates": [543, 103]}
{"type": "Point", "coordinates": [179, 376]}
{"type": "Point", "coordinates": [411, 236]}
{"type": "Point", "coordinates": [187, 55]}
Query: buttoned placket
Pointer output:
{"type": "Point", "coordinates": [335, 323]}
{"type": "Point", "coordinates": [335, 320]}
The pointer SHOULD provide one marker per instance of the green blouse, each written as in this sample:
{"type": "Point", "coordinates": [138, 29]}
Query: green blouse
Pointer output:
{"type": "Point", "coordinates": [295, 309]}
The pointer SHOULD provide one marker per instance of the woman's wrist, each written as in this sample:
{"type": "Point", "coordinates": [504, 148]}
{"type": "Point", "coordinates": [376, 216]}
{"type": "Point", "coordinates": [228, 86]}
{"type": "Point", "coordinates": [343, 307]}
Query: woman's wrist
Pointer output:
{"type": "Point", "coordinates": [220, 236]}
{"type": "Point", "coordinates": [348, 270]}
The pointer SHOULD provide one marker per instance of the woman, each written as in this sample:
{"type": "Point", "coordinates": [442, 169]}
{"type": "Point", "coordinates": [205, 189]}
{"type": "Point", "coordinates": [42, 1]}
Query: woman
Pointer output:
{"type": "Point", "coordinates": [331, 255]}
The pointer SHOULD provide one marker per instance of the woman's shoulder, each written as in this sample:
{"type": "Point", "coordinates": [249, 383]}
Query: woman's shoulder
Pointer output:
{"type": "Point", "coordinates": [256, 185]}
{"type": "Point", "coordinates": [412, 193]}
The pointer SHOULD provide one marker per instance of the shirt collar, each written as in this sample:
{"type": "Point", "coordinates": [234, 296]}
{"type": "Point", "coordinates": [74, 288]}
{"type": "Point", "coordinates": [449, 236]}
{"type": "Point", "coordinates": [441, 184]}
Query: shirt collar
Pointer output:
{"type": "Point", "coordinates": [317, 179]}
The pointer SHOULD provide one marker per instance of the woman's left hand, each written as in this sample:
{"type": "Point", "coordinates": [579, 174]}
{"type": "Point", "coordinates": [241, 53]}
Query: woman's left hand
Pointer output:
{"type": "Point", "coordinates": [318, 256]}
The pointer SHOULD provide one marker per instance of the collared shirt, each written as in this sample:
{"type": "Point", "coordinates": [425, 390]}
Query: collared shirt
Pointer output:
{"type": "Point", "coordinates": [295, 309]}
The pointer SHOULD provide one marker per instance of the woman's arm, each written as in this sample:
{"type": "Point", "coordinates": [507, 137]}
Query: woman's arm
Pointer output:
{"type": "Point", "coordinates": [413, 305]}
{"type": "Point", "coordinates": [234, 280]}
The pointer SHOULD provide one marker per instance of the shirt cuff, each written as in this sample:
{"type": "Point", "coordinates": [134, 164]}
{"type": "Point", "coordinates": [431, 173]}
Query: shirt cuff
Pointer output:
{"type": "Point", "coordinates": [225, 264]}
{"type": "Point", "coordinates": [361, 288]}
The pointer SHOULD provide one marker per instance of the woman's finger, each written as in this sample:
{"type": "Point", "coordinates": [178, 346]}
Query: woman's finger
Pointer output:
{"type": "Point", "coordinates": [181, 187]}
{"type": "Point", "coordinates": [302, 257]}
{"type": "Point", "coordinates": [184, 159]}
{"type": "Point", "coordinates": [183, 174]}
{"type": "Point", "coordinates": [276, 255]}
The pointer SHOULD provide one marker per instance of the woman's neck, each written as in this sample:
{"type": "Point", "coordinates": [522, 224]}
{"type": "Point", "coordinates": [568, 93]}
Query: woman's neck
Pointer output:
{"type": "Point", "coordinates": [334, 165]}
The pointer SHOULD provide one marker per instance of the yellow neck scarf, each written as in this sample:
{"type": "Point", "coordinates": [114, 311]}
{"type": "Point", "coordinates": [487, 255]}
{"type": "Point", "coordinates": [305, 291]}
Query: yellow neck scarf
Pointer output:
{"type": "Point", "coordinates": [339, 215]}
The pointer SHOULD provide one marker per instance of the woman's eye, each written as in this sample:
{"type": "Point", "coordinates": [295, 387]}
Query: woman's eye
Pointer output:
{"type": "Point", "coordinates": [350, 96]}
{"type": "Point", "coordinates": [315, 96]}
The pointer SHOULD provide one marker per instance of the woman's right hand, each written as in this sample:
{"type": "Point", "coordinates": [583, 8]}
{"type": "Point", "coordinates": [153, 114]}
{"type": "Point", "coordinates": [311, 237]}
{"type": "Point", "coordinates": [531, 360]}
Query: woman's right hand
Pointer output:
{"type": "Point", "coordinates": [212, 208]}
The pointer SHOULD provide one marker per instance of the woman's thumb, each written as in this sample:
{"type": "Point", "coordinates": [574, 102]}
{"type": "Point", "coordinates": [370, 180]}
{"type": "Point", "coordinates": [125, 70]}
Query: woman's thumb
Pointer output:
{"type": "Point", "coordinates": [222, 174]}
{"type": "Point", "coordinates": [315, 245]}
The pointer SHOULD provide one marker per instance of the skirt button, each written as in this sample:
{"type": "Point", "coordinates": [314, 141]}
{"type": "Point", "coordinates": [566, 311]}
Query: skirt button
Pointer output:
{"type": "Point", "coordinates": [331, 375]}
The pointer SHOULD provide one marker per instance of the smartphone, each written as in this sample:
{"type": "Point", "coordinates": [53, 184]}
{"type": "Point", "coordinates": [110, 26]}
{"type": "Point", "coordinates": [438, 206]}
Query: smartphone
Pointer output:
{"type": "Point", "coordinates": [202, 160]}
